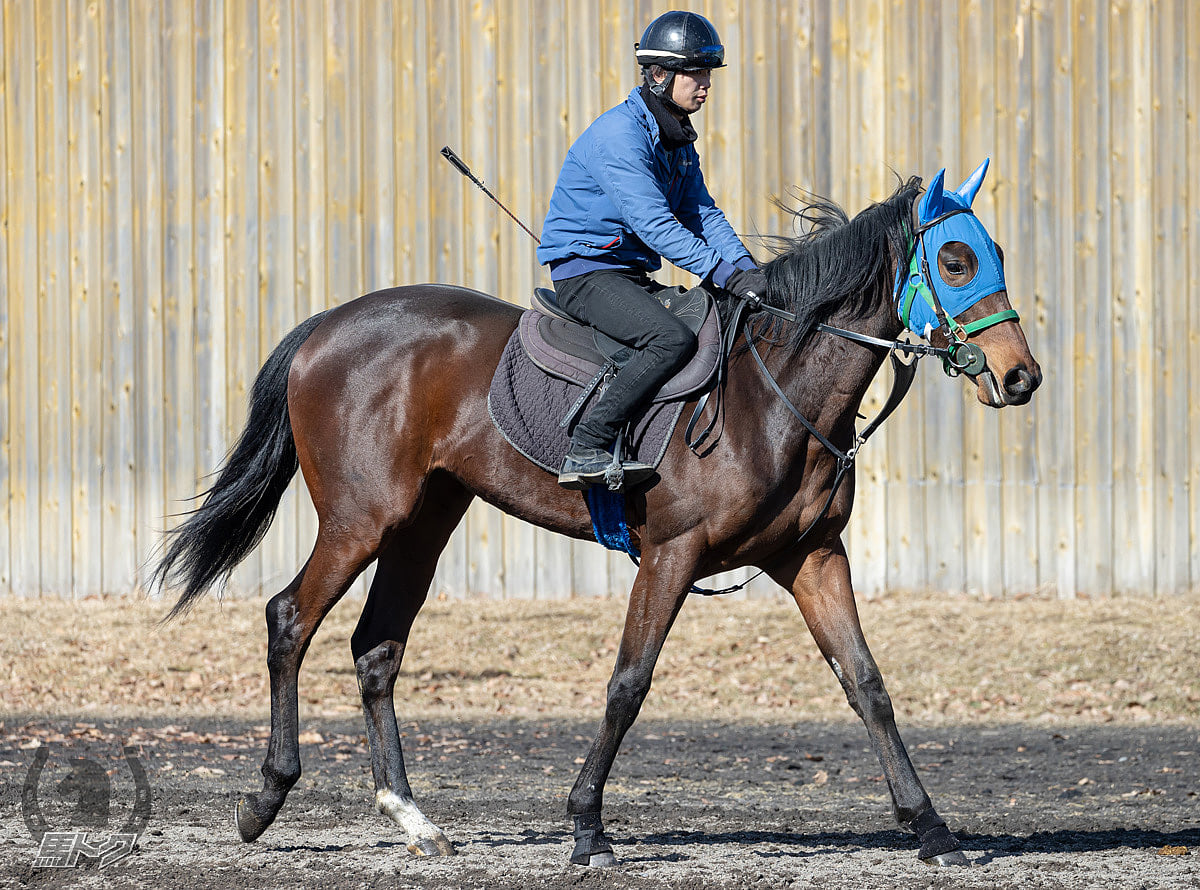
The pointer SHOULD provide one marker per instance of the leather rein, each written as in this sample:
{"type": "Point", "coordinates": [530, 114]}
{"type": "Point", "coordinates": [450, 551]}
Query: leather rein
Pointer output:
{"type": "Point", "coordinates": [958, 357]}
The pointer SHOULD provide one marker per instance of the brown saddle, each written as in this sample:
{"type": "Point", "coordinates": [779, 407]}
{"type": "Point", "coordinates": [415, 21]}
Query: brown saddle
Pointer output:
{"type": "Point", "coordinates": [566, 348]}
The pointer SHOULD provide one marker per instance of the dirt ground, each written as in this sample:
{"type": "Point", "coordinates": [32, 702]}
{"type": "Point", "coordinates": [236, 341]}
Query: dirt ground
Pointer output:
{"type": "Point", "coordinates": [1059, 739]}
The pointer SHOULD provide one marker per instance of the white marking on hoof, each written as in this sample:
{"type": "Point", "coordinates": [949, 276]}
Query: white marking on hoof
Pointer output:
{"type": "Point", "coordinates": [424, 838]}
{"type": "Point", "coordinates": [602, 860]}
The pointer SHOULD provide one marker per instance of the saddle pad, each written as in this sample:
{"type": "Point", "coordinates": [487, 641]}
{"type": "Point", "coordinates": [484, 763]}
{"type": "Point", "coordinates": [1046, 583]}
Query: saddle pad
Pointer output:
{"type": "Point", "coordinates": [526, 405]}
{"type": "Point", "coordinates": [566, 349]}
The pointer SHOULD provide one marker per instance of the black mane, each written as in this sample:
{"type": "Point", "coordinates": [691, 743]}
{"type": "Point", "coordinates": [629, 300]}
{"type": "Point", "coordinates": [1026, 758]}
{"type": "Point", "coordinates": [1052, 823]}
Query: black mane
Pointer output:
{"type": "Point", "coordinates": [837, 262]}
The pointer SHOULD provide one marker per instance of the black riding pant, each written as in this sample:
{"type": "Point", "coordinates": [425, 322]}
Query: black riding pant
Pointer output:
{"type": "Point", "coordinates": [619, 303]}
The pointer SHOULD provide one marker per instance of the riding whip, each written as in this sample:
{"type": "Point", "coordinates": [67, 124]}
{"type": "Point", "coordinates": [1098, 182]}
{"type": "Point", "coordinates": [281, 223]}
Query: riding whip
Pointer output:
{"type": "Point", "coordinates": [461, 166]}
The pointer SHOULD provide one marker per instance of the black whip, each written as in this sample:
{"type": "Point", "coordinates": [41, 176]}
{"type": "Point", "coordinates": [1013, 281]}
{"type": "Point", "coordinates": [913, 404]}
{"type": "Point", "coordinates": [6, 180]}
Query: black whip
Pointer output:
{"type": "Point", "coordinates": [461, 166]}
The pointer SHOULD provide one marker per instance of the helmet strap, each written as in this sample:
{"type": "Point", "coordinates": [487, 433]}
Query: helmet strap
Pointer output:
{"type": "Point", "coordinates": [662, 89]}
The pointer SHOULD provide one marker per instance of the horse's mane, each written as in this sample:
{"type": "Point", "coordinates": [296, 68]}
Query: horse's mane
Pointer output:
{"type": "Point", "coordinates": [836, 262]}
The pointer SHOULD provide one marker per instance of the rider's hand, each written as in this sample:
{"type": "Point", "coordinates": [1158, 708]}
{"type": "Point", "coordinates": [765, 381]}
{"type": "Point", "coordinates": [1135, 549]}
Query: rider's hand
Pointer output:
{"type": "Point", "coordinates": [747, 283]}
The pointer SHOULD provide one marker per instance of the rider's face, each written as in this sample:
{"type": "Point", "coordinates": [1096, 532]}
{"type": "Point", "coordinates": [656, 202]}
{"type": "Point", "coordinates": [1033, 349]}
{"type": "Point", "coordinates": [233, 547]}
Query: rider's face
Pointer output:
{"type": "Point", "coordinates": [689, 90]}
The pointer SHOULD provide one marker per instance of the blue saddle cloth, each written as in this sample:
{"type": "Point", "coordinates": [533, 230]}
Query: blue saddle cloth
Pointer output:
{"type": "Point", "coordinates": [608, 519]}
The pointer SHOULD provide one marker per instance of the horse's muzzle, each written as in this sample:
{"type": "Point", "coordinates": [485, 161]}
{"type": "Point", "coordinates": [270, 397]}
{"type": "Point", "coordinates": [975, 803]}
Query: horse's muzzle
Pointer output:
{"type": "Point", "coordinates": [1020, 383]}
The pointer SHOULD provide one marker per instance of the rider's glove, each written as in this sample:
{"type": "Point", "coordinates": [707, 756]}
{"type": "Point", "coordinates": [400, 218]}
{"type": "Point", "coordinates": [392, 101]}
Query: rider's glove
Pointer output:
{"type": "Point", "coordinates": [749, 284]}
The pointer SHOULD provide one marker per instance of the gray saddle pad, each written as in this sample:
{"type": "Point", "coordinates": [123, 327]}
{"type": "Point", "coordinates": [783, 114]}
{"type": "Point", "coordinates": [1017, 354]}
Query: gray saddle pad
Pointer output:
{"type": "Point", "coordinates": [527, 405]}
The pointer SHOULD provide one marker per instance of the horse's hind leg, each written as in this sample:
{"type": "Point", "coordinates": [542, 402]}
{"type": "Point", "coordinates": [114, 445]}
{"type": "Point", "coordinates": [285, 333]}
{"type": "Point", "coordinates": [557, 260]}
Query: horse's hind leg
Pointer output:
{"type": "Point", "coordinates": [821, 586]}
{"type": "Point", "coordinates": [293, 616]}
{"type": "Point", "coordinates": [401, 584]}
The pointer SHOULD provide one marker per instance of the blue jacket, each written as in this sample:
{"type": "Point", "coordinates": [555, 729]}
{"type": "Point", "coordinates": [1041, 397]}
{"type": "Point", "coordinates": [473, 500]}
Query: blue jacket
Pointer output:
{"type": "Point", "coordinates": [623, 200]}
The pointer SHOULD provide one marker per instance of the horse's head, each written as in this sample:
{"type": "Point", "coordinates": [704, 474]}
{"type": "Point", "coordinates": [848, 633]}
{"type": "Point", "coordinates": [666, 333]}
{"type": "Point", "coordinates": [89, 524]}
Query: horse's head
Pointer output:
{"type": "Point", "coordinates": [953, 294]}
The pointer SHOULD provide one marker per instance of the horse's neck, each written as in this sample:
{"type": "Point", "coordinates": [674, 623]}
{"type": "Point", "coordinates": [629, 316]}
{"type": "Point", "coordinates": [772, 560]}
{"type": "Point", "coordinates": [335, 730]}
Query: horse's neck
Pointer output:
{"type": "Point", "coordinates": [828, 379]}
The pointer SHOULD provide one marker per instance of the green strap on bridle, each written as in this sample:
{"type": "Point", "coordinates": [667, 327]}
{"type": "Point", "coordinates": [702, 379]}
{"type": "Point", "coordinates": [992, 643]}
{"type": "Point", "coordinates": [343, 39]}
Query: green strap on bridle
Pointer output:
{"type": "Point", "coordinates": [915, 284]}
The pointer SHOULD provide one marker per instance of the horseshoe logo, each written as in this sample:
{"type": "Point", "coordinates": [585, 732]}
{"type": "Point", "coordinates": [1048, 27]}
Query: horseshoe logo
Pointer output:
{"type": "Point", "coordinates": [31, 809]}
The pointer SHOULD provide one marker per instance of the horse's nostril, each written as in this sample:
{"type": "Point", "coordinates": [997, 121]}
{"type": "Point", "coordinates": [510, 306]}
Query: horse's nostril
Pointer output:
{"type": "Point", "coordinates": [1018, 382]}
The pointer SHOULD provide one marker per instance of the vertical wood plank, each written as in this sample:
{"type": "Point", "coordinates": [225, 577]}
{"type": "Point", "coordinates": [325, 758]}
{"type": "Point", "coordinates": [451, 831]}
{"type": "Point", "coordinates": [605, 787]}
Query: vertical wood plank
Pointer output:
{"type": "Point", "coordinates": [481, 232]}
{"type": "Point", "coordinates": [553, 136]}
{"type": "Point", "coordinates": [210, 399]}
{"type": "Point", "coordinates": [516, 252]}
{"type": "Point", "coordinates": [277, 245]}
{"type": "Point", "coordinates": [147, 221]}
{"type": "Point", "coordinates": [242, 238]}
{"type": "Point", "coordinates": [1193, 250]}
{"type": "Point", "coordinates": [905, 499]}
{"type": "Point", "coordinates": [179, 238]}
{"type": "Point", "coordinates": [414, 145]}
{"type": "Point", "coordinates": [378, 156]}
{"type": "Point", "coordinates": [822, 102]}
{"type": "Point", "coordinates": [1052, 173]}
{"type": "Point", "coordinates": [1092, 357]}
{"type": "Point", "coordinates": [795, 72]}
{"type": "Point", "coordinates": [120, 454]}
{"type": "Point", "coordinates": [24, 465]}
{"type": "Point", "coordinates": [944, 398]}
{"type": "Point", "coordinates": [867, 535]}
{"type": "Point", "coordinates": [6, 396]}
{"type": "Point", "coordinates": [1170, 315]}
{"type": "Point", "coordinates": [309, 195]}
{"type": "Point", "coordinates": [447, 208]}
{"type": "Point", "coordinates": [589, 561]}
{"type": "Point", "coordinates": [982, 516]}
{"type": "Point", "coordinates": [53, 393]}
{"type": "Point", "coordinates": [1133, 453]}
{"type": "Point", "coordinates": [1014, 190]}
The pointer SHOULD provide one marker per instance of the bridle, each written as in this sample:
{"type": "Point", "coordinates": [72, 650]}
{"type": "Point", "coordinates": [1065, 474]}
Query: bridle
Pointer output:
{"type": "Point", "coordinates": [958, 357]}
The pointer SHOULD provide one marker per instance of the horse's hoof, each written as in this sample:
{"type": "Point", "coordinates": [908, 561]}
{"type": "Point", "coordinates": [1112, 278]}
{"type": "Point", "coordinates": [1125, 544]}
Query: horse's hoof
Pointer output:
{"type": "Point", "coordinates": [942, 860]}
{"type": "Point", "coordinates": [600, 860]}
{"type": "Point", "coordinates": [433, 846]}
{"type": "Point", "coordinates": [249, 824]}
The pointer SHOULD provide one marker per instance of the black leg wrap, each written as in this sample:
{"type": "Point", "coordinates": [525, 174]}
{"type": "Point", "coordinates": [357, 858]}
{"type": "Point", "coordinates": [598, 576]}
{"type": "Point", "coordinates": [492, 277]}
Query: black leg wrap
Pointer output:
{"type": "Point", "coordinates": [589, 839]}
{"type": "Point", "coordinates": [935, 837]}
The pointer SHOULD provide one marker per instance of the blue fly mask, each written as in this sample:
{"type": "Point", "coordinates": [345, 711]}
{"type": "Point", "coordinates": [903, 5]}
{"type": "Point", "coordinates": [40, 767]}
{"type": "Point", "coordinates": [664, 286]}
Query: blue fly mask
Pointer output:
{"type": "Point", "coordinates": [924, 300]}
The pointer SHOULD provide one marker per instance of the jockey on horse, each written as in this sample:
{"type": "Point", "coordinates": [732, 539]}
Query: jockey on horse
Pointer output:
{"type": "Point", "coordinates": [631, 192]}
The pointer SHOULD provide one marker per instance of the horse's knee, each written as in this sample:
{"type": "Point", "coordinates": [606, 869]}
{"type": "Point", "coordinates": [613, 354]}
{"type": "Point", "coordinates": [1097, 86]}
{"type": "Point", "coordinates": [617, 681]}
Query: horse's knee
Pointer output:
{"type": "Point", "coordinates": [377, 669]}
{"type": "Point", "coordinates": [283, 631]}
{"type": "Point", "coordinates": [865, 693]}
{"type": "Point", "coordinates": [626, 692]}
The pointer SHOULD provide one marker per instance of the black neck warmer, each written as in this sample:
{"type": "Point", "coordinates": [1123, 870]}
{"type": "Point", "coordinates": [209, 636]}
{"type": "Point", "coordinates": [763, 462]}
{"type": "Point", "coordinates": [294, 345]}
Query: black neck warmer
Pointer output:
{"type": "Point", "coordinates": [675, 133]}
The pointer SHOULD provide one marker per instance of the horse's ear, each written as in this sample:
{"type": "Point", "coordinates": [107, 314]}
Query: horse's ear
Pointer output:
{"type": "Point", "coordinates": [931, 202]}
{"type": "Point", "coordinates": [969, 189]}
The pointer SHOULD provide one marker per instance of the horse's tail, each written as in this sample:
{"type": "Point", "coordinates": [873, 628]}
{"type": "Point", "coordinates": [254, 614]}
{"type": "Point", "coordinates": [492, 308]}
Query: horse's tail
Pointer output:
{"type": "Point", "coordinates": [238, 509]}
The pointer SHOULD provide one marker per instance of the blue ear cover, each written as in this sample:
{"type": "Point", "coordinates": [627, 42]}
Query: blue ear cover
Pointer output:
{"type": "Point", "coordinates": [965, 227]}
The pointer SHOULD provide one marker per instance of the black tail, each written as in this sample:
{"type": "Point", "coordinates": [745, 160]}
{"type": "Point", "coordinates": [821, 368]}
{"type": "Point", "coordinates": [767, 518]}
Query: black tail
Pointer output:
{"type": "Point", "coordinates": [238, 509]}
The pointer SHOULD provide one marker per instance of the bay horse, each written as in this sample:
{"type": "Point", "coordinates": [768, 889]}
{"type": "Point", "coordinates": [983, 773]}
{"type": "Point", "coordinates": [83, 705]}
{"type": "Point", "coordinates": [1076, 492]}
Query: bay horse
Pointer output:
{"type": "Point", "coordinates": [381, 403]}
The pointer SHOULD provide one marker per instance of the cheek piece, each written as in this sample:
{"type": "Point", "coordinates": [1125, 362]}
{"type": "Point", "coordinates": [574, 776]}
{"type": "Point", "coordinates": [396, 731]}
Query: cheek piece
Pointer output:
{"type": "Point", "coordinates": [925, 302]}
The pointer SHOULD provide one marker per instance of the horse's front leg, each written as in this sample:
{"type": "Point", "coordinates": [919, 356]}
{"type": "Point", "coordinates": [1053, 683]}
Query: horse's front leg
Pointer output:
{"type": "Point", "coordinates": [658, 593]}
{"type": "Point", "coordinates": [820, 583]}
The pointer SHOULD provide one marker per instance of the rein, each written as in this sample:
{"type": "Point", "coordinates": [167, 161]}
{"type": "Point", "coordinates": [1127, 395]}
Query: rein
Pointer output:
{"type": "Point", "coordinates": [957, 358]}
{"type": "Point", "coordinates": [903, 374]}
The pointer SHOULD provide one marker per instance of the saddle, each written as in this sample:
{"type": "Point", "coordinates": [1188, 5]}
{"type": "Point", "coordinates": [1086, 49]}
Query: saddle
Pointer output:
{"type": "Point", "coordinates": [566, 348]}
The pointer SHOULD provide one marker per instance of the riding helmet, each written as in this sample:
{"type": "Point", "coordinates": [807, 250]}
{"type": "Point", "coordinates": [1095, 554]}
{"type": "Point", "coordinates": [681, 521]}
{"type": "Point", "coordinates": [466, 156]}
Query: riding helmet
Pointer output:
{"type": "Point", "coordinates": [680, 41]}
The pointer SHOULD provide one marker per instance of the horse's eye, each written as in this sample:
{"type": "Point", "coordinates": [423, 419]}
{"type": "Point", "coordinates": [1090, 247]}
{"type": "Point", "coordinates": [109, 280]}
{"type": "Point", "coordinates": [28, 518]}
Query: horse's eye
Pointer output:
{"type": "Point", "coordinates": [955, 268]}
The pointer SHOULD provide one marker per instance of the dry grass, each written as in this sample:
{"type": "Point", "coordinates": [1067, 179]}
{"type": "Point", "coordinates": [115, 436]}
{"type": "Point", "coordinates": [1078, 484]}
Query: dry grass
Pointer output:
{"type": "Point", "coordinates": [945, 659]}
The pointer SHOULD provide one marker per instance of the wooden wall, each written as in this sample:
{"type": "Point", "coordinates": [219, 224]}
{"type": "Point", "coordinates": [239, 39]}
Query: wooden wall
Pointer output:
{"type": "Point", "coordinates": [181, 181]}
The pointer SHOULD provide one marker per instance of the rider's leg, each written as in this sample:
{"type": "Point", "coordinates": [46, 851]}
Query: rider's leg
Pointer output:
{"type": "Point", "coordinates": [618, 304]}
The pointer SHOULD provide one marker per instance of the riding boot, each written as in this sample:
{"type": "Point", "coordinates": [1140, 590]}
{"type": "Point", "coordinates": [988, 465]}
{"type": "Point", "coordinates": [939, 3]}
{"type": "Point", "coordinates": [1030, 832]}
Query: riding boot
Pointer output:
{"type": "Point", "coordinates": [587, 465]}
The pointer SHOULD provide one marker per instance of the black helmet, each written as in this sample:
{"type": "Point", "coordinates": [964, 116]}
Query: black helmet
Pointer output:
{"type": "Point", "coordinates": [680, 41]}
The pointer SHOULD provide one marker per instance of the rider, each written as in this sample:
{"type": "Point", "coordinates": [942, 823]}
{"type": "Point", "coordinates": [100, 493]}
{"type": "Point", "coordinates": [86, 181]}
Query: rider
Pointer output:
{"type": "Point", "coordinates": [631, 192]}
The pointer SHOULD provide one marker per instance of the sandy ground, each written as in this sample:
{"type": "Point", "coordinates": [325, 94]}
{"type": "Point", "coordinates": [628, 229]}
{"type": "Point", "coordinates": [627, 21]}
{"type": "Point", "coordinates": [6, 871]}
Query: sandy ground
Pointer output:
{"type": "Point", "coordinates": [1059, 739]}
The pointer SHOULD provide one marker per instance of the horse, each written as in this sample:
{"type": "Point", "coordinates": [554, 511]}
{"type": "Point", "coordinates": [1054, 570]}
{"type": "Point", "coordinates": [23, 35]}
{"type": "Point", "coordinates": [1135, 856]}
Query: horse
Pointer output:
{"type": "Point", "coordinates": [381, 403]}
